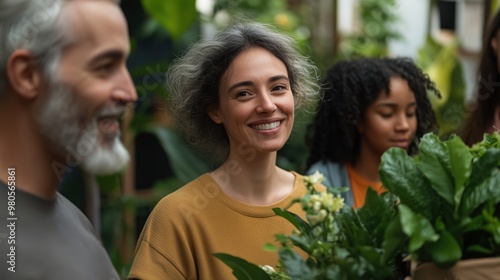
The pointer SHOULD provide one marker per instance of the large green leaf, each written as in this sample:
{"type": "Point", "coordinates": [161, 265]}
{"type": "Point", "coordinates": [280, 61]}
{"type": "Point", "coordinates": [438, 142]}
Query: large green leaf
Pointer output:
{"type": "Point", "coordinates": [186, 165]}
{"type": "Point", "coordinates": [352, 229]}
{"type": "Point", "coordinates": [394, 240]}
{"type": "Point", "coordinates": [489, 141]}
{"type": "Point", "coordinates": [375, 215]}
{"type": "Point", "coordinates": [484, 182]}
{"type": "Point", "coordinates": [242, 269]}
{"type": "Point", "coordinates": [435, 164]}
{"type": "Point", "coordinates": [295, 220]}
{"type": "Point", "coordinates": [446, 251]}
{"type": "Point", "coordinates": [176, 16]}
{"type": "Point", "coordinates": [461, 162]}
{"type": "Point", "coordinates": [400, 176]}
{"type": "Point", "coordinates": [417, 228]}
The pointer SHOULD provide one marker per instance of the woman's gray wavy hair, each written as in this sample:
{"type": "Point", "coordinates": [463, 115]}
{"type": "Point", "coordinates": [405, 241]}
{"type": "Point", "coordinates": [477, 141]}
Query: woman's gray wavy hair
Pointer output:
{"type": "Point", "coordinates": [193, 80]}
{"type": "Point", "coordinates": [34, 26]}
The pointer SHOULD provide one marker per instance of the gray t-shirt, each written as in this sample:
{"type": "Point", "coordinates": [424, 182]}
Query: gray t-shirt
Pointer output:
{"type": "Point", "coordinates": [53, 240]}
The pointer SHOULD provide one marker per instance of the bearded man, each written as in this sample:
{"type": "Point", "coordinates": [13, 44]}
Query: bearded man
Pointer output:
{"type": "Point", "coordinates": [64, 86]}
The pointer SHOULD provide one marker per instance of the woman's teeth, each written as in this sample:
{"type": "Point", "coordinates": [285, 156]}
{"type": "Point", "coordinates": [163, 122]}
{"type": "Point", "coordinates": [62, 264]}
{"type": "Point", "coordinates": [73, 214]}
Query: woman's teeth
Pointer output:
{"type": "Point", "coordinates": [267, 126]}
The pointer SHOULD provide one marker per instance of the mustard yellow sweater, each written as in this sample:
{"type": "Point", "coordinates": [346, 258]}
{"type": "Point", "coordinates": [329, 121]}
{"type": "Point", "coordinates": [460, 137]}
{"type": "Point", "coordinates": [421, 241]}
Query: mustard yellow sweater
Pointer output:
{"type": "Point", "coordinates": [188, 226]}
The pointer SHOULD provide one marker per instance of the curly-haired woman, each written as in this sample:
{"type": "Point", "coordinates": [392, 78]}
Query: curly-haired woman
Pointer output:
{"type": "Point", "coordinates": [367, 106]}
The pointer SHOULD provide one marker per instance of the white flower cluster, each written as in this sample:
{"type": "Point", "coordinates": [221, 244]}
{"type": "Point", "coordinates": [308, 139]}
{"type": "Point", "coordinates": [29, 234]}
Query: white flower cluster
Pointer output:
{"type": "Point", "coordinates": [321, 205]}
{"type": "Point", "coordinates": [317, 177]}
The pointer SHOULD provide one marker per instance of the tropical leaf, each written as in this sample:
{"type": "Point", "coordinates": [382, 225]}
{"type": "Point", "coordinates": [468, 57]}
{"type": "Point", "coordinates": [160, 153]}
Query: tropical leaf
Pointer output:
{"type": "Point", "coordinates": [174, 15]}
{"type": "Point", "coordinates": [417, 228]}
{"type": "Point", "coordinates": [435, 164]}
{"type": "Point", "coordinates": [483, 183]}
{"type": "Point", "coordinates": [242, 269]}
{"type": "Point", "coordinates": [400, 176]}
{"type": "Point", "coordinates": [394, 239]}
{"type": "Point", "coordinates": [352, 229]}
{"type": "Point", "coordinates": [300, 224]}
{"type": "Point", "coordinates": [489, 141]}
{"type": "Point", "coordinates": [375, 215]}
{"type": "Point", "coordinates": [186, 165]}
{"type": "Point", "coordinates": [461, 161]}
{"type": "Point", "coordinates": [446, 251]}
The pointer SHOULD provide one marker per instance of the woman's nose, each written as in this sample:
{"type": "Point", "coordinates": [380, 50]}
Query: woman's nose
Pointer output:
{"type": "Point", "coordinates": [266, 104]}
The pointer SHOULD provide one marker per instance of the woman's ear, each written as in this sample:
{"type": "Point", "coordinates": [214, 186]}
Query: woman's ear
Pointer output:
{"type": "Point", "coordinates": [213, 112]}
{"type": "Point", "coordinates": [24, 76]}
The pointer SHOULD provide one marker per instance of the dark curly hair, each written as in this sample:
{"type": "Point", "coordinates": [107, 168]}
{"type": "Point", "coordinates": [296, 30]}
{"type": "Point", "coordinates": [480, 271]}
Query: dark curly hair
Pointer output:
{"type": "Point", "coordinates": [348, 88]}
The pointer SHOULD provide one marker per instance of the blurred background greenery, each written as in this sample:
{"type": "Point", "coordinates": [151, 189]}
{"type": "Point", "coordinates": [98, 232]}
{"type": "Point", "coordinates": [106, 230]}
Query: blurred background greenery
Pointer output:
{"type": "Point", "coordinates": [160, 30]}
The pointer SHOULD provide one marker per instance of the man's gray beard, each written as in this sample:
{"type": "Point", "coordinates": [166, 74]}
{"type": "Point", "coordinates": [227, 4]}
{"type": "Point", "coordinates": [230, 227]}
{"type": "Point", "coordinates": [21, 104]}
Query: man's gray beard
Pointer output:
{"type": "Point", "coordinates": [62, 120]}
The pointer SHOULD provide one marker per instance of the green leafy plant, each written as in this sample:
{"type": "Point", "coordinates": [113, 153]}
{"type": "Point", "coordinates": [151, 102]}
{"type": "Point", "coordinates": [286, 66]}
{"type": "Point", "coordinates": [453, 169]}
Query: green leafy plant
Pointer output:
{"type": "Point", "coordinates": [174, 15]}
{"type": "Point", "coordinates": [449, 199]}
{"type": "Point", "coordinates": [340, 242]}
{"type": "Point", "coordinates": [442, 206]}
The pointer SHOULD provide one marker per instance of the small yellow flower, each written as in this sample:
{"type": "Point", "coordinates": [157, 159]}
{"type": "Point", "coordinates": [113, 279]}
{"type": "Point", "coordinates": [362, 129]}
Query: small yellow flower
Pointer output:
{"type": "Point", "coordinates": [331, 203]}
{"type": "Point", "coordinates": [338, 203]}
{"type": "Point", "coordinates": [317, 177]}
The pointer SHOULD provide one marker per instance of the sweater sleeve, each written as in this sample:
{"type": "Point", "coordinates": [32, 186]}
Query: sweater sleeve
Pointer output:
{"type": "Point", "coordinates": [149, 264]}
{"type": "Point", "coordinates": [162, 251]}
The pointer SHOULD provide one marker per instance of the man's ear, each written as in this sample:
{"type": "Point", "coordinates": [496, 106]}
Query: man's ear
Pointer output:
{"type": "Point", "coordinates": [213, 112]}
{"type": "Point", "coordinates": [24, 76]}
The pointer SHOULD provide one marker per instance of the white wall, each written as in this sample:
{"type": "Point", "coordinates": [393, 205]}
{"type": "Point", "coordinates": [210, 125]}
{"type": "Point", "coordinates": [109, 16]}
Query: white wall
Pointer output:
{"type": "Point", "coordinates": [412, 25]}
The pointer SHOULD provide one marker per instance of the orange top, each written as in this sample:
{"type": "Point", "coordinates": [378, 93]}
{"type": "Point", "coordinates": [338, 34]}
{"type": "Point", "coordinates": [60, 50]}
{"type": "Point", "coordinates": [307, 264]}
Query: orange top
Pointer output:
{"type": "Point", "coordinates": [360, 185]}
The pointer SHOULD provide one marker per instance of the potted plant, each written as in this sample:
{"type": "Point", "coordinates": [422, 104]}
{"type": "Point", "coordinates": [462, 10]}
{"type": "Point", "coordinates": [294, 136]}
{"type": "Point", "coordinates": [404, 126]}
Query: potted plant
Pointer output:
{"type": "Point", "coordinates": [449, 206]}
{"type": "Point", "coordinates": [340, 242]}
{"type": "Point", "coordinates": [441, 211]}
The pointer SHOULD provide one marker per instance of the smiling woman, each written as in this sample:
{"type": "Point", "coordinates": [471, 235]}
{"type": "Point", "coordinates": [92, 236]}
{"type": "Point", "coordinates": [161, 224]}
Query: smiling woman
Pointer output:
{"type": "Point", "coordinates": [233, 96]}
{"type": "Point", "coordinates": [368, 106]}
{"type": "Point", "coordinates": [256, 104]}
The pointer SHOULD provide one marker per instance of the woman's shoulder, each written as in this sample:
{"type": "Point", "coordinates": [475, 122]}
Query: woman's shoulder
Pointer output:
{"type": "Point", "coordinates": [185, 195]}
{"type": "Point", "coordinates": [325, 166]}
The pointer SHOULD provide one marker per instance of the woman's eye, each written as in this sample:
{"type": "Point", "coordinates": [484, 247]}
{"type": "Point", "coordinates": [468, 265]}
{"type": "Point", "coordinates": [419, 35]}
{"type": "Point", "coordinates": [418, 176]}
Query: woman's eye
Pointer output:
{"type": "Point", "coordinates": [243, 93]}
{"type": "Point", "coordinates": [279, 88]}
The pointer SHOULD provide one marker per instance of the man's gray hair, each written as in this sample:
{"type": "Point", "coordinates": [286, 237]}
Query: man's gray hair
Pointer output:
{"type": "Point", "coordinates": [33, 25]}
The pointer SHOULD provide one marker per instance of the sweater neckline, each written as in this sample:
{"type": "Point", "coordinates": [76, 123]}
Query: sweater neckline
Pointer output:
{"type": "Point", "coordinates": [252, 210]}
